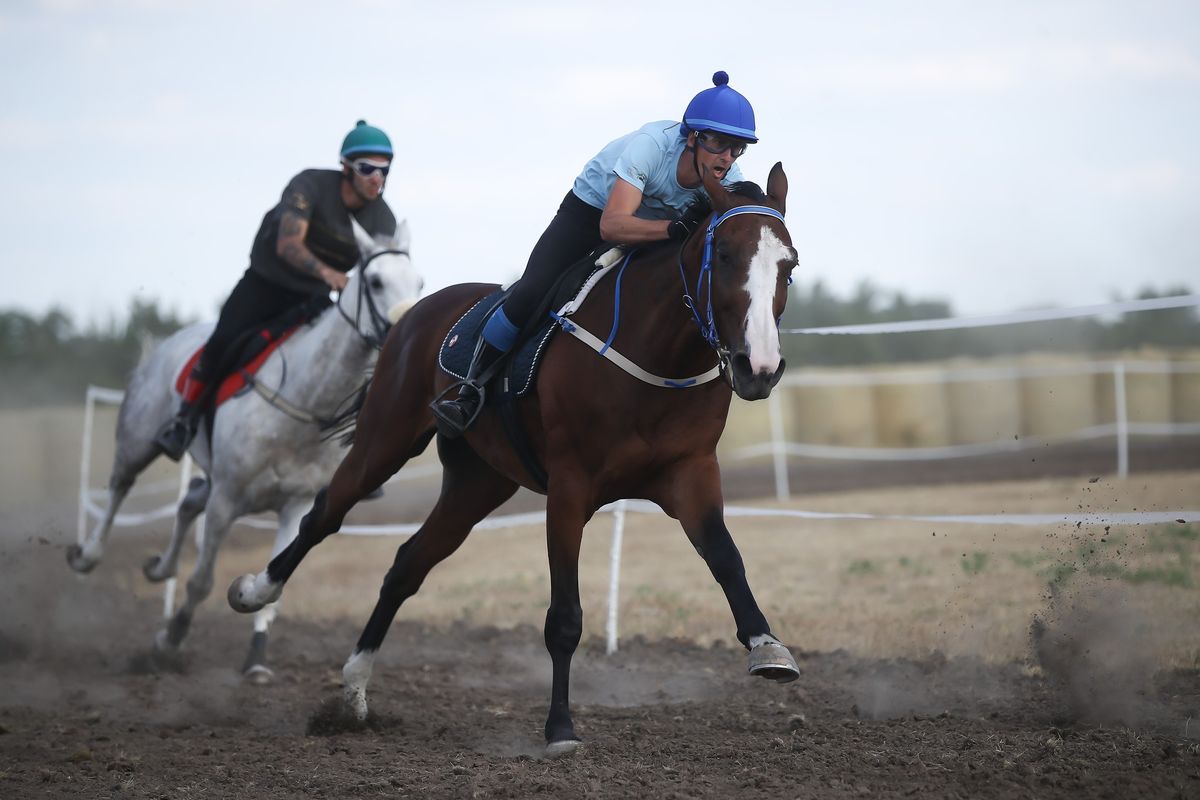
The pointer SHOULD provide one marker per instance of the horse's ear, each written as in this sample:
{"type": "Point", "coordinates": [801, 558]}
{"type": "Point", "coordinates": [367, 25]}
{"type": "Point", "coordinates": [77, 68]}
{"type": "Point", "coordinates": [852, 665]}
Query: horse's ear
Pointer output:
{"type": "Point", "coordinates": [777, 186]}
{"type": "Point", "coordinates": [401, 238]}
{"type": "Point", "coordinates": [366, 245]}
{"type": "Point", "coordinates": [722, 201]}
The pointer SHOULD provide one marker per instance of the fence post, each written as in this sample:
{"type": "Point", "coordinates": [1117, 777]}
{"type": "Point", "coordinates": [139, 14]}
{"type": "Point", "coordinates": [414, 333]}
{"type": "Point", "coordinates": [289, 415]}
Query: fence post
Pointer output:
{"type": "Point", "coordinates": [85, 464]}
{"type": "Point", "coordinates": [1122, 419]}
{"type": "Point", "coordinates": [778, 447]}
{"type": "Point", "coordinates": [614, 578]}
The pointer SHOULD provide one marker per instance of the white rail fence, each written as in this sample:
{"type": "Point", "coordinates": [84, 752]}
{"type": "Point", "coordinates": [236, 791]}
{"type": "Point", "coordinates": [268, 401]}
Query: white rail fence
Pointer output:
{"type": "Point", "coordinates": [778, 448]}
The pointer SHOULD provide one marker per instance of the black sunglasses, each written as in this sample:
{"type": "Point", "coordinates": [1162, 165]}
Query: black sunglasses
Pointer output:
{"type": "Point", "coordinates": [368, 168]}
{"type": "Point", "coordinates": [717, 144]}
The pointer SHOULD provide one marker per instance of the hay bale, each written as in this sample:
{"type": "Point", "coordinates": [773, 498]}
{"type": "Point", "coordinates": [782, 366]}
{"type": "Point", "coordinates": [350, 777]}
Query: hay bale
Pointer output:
{"type": "Point", "coordinates": [985, 409]}
{"type": "Point", "coordinates": [833, 414]}
{"type": "Point", "coordinates": [913, 411]}
{"type": "Point", "coordinates": [1057, 404]}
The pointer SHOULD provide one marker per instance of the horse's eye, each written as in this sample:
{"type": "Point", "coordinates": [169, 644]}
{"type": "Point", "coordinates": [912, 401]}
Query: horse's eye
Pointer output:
{"type": "Point", "coordinates": [376, 283]}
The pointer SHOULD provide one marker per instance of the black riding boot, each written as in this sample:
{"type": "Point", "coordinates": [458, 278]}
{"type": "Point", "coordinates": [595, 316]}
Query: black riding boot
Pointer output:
{"type": "Point", "coordinates": [455, 416]}
{"type": "Point", "coordinates": [175, 436]}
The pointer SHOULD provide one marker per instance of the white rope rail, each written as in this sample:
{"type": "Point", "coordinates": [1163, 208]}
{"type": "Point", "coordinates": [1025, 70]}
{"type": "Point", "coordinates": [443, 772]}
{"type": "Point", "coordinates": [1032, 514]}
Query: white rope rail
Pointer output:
{"type": "Point", "coordinates": [1011, 318]}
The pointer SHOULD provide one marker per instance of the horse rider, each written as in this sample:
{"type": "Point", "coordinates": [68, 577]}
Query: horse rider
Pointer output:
{"type": "Point", "coordinates": [303, 249]}
{"type": "Point", "coordinates": [643, 187]}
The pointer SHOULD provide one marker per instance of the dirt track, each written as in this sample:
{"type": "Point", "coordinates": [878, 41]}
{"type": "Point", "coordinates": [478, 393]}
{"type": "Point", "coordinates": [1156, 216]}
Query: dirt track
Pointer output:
{"type": "Point", "coordinates": [458, 712]}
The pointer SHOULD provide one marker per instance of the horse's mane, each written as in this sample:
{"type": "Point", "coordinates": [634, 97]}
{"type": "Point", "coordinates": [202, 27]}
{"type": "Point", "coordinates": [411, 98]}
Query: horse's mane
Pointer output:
{"type": "Point", "coordinates": [748, 189]}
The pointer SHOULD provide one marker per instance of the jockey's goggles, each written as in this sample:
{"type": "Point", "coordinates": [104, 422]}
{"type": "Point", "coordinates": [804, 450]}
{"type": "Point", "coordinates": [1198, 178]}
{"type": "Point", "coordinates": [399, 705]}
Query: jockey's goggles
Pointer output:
{"type": "Point", "coordinates": [716, 144]}
{"type": "Point", "coordinates": [368, 168]}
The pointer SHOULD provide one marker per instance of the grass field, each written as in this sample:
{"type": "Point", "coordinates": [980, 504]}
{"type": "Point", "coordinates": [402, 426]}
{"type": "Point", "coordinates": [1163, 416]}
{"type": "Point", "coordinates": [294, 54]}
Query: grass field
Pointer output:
{"type": "Point", "coordinates": [874, 588]}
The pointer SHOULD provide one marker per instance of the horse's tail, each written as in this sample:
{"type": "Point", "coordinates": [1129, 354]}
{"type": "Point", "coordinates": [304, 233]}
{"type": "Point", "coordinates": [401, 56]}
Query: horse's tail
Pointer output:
{"type": "Point", "coordinates": [342, 423]}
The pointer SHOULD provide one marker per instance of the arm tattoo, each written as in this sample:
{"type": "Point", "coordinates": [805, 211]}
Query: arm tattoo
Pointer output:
{"type": "Point", "coordinates": [292, 229]}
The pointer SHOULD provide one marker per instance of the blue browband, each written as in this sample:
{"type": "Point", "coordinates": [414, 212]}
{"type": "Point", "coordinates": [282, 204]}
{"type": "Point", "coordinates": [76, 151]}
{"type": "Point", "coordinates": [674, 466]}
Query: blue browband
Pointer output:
{"type": "Point", "coordinates": [708, 328]}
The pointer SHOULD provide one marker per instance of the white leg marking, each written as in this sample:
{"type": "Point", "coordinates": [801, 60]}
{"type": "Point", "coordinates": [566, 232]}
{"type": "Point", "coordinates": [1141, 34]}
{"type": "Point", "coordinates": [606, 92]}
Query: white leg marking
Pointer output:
{"type": "Point", "coordinates": [763, 638]}
{"type": "Point", "coordinates": [356, 674]}
{"type": "Point", "coordinates": [762, 334]}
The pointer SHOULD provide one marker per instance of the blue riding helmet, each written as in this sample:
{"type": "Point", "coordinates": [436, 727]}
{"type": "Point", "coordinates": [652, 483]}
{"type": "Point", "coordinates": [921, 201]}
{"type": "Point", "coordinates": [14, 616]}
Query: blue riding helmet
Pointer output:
{"type": "Point", "coordinates": [366, 140]}
{"type": "Point", "coordinates": [722, 110]}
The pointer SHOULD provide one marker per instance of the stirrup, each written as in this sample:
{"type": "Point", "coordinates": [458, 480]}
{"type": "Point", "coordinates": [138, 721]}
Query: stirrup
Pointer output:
{"type": "Point", "coordinates": [452, 424]}
{"type": "Point", "coordinates": [174, 437]}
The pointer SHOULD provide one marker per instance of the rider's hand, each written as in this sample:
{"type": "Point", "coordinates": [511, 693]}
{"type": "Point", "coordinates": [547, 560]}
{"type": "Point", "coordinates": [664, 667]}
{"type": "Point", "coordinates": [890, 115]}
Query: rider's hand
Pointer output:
{"type": "Point", "coordinates": [336, 280]}
{"type": "Point", "coordinates": [680, 228]}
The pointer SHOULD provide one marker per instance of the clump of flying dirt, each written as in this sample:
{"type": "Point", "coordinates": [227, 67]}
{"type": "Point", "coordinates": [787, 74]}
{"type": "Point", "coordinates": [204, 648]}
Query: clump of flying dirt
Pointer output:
{"type": "Point", "coordinates": [1095, 647]}
{"type": "Point", "coordinates": [333, 718]}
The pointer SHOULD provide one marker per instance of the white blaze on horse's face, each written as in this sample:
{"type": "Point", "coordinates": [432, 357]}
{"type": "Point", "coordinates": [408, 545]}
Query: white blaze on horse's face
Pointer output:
{"type": "Point", "coordinates": [762, 281]}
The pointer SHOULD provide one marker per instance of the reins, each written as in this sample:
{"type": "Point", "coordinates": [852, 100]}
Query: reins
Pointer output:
{"type": "Point", "coordinates": [379, 329]}
{"type": "Point", "coordinates": [379, 321]}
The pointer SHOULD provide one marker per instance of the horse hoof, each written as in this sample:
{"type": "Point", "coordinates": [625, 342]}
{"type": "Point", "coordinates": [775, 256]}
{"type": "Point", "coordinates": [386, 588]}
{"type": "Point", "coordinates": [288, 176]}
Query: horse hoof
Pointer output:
{"type": "Point", "coordinates": [163, 644]}
{"type": "Point", "coordinates": [78, 562]}
{"type": "Point", "coordinates": [562, 748]}
{"type": "Point", "coordinates": [152, 568]}
{"type": "Point", "coordinates": [241, 595]}
{"type": "Point", "coordinates": [773, 661]}
{"type": "Point", "coordinates": [258, 675]}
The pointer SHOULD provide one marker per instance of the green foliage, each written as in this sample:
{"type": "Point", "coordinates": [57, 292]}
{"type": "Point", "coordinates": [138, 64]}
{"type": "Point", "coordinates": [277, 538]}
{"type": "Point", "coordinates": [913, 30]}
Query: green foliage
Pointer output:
{"type": "Point", "coordinates": [974, 563]}
{"type": "Point", "coordinates": [48, 360]}
{"type": "Point", "coordinates": [862, 566]}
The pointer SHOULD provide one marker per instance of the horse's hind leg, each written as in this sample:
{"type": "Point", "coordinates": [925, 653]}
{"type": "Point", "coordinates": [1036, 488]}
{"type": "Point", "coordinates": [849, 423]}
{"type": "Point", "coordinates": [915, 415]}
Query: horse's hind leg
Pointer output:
{"type": "Point", "coordinates": [470, 491]}
{"type": "Point", "coordinates": [219, 516]}
{"type": "Point", "coordinates": [255, 669]}
{"type": "Point", "coordinates": [130, 460]}
{"type": "Point", "coordinates": [164, 565]}
{"type": "Point", "coordinates": [370, 462]}
{"type": "Point", "coordinates": [693, 496]}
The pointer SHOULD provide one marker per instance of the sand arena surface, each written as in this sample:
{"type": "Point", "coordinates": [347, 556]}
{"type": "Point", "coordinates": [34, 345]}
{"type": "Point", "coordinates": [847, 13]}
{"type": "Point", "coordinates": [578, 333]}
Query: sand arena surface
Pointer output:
{"type": "Point", "coordinates": [919, 677]}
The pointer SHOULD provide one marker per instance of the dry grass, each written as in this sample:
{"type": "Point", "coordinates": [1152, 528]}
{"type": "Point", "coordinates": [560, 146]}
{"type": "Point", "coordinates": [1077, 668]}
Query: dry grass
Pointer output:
{"type": "Point", "coordinates": [871, 587]}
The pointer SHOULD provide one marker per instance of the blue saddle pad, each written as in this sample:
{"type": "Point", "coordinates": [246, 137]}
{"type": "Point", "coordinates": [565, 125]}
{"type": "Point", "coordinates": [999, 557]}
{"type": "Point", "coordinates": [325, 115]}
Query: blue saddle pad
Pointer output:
{"type": "Point", "coordinates": [454, 357]}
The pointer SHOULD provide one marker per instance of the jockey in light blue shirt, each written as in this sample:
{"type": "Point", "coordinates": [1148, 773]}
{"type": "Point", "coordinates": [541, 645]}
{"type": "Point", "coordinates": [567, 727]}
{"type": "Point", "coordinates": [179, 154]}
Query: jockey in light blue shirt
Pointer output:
{"type": "Point", "coordinates": [638, 189]}
{"type": "Point", "coordinates": [647, 159]}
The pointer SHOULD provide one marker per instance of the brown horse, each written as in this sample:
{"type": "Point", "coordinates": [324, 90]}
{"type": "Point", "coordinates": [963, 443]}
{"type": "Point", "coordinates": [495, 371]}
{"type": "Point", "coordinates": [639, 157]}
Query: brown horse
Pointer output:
{"type": "Point", "coordinates": [602, 432]}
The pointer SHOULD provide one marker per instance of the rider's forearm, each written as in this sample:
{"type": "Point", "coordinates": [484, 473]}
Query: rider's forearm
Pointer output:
{"type": "Point", "coordinates": [301, 258]}
{"type": "Point", "coordinates": [628, 229]}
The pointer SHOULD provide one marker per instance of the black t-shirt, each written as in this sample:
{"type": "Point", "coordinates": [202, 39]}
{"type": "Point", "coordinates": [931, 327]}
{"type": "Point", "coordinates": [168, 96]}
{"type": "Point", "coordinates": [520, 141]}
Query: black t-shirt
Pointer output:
{"type": "Point", "coordinates": [315, 195]}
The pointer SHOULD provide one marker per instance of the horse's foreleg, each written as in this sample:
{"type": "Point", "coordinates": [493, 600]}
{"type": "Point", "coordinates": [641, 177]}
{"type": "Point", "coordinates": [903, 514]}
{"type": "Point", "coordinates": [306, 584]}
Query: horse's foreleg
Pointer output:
{"type": "Point", "coordinates": [695, 500]}
{"type": "Point", "coordinates": [219, 517]}
{"type": "Point", "coordinates": [160, 567]}
{"type": "Point", "coordinates": [369, 463]}
{"type": "Point", "coordinates": [470, 491]}
{"type": "Point", "coordinates": [255, 668]}
{"type": "Point", "coordinates": [565, 518]}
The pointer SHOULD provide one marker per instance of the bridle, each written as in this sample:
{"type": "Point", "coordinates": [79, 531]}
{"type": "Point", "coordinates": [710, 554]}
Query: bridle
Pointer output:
{"type": "Point", "coordinates": [708, 327]}
{"type": "Point", "coordinates": [380, 324]}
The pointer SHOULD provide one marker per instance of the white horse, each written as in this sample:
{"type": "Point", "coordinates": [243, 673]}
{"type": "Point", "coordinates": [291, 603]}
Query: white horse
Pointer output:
{"type": "Point", "coordinates": [267, 450]}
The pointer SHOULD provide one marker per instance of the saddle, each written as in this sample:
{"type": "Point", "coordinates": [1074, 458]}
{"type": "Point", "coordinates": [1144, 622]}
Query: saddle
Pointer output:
{"type": "Point", "coordinates": [514, 374]}
{"type": "Point", "coordinates": [515, 377]}
{"type": "Point", "coordinates": [252, 350]}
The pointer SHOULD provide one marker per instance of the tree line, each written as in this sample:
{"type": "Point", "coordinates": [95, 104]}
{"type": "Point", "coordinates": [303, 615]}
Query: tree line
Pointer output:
{"type": "Point", "coordinates": [51, 359]}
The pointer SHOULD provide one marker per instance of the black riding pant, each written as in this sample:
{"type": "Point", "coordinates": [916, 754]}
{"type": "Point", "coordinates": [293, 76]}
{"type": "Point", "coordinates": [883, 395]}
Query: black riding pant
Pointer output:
{"type": "Point", "coordinates": [572, 234]}
{"type": "Point", "coordinates": [254, 301]}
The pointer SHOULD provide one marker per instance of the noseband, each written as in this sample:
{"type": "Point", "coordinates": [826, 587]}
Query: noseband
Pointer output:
{"type": "Point", "coordinates": [379, 322]}
{"type": "Point", "coordinates": [708, 327]}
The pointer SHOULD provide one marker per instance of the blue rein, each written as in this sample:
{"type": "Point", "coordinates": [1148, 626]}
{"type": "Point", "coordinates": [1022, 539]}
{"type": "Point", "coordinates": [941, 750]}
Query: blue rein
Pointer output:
{"type": "Point", "coordinates": [708, 328]}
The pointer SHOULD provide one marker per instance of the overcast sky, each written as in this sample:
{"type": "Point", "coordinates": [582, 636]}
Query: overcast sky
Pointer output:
{"type": "Point", "coordinates": [998, 154]}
